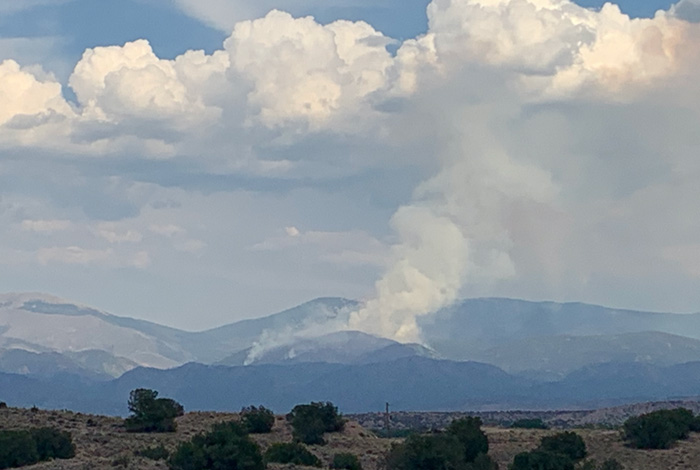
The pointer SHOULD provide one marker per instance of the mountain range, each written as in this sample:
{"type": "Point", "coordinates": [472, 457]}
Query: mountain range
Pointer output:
{"type": "Point", "coordinates": [476, 354]}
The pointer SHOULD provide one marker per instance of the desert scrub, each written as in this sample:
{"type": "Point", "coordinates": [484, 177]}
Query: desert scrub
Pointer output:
{"type": "Point", "coordinates": [258, 420]}
{"type": "Point", "coordinates": [310, 422]}
{"type": "Point", "coordinates": [291, 453]}
{"type": "Point", "coordinates": [346, 461]}
{"type": "Point", "coordinates": [227, 445]}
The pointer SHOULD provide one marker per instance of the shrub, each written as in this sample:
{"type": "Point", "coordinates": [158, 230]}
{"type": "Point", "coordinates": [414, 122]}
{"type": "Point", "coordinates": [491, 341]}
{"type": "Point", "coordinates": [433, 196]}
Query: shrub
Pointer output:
{"type": "Point", "coordinates": [482, 462]}
{"type": "Point", "coordinates": [541, 460]}
{"type": "Point", "coordinates": [611, 464]}
{"type": "Point", "coordinates": [569, 444]}
{"type": "Point", "coordinates": [3, 405]}
{"type": "Point", "coordinates": [150, 413]}
{"type": "Point", "coordinates": [121, 461]}
{"type": "Point", "coordinates": [154, 453]}
{"type": "Point", "coordinates": [659, 429]}
{"type": "Point", "coordinates": [53, 444]}
{"type": "Point", "coordinates": [346, 461]}
{"type": "Point", "coordinates": [17, 449]}
{"type": "Point", "coordinates": [535, 423]}
{"type": "Point", "coordinates": [472, 439]}
{"type": "Point", "coordinates": [463, 446]}
{"type": "Point", "coordinates": [227, 445]}
{"type": "Point", "coordinates": [20, 448]}
{"type": "Point", "coordinates": [309, 422]}
{"type": "Point", "coordinates": [258, 420]}
{"type": "Point", "coordinates": [293, 453]}
{"type": "Point", "coordinates": [426, 452]}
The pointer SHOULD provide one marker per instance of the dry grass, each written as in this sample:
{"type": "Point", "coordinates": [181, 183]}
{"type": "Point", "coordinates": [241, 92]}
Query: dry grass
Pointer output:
{"type": "Point", "coordinates": [602, 445]}
{"type": "Point", "coordinates": [102, 443]}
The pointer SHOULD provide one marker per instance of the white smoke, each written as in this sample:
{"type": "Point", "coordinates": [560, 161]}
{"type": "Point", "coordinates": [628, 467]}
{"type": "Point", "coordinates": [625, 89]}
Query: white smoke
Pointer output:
{"type": "Point", "coordinates": [487, 103]}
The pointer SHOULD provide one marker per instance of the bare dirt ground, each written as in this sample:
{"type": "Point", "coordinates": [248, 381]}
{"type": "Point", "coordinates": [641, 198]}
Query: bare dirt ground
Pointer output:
{"type": "Point", "coordinates": [102, 442]}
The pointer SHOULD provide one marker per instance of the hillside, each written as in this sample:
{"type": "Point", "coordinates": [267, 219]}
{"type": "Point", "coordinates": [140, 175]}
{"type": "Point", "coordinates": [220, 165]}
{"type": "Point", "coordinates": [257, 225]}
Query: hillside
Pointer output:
{"type": "Point", "coordinates": [102, 443]}
{"type": "Point", "coordinates": [553, 357]}
{"type": "Point", "coordinates": [492, 354]}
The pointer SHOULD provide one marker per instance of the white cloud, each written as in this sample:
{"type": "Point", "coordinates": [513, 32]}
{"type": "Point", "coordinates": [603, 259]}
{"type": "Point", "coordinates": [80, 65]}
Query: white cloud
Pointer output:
{"type": "Point", "coordinates": [557, 44]}
{"type": "Point", "coordinates": [12, 6]}
{"type": "Point", "coordinates": [84, 256]}
{"type": "Point", "coordinates": [303, 72]}
{"type": "Point", "coordinates": [112, 234]}
{"type": "Point", "coordinates": [168, 230]}
{"type": "Point", "coordinates": [353, 248]}
{"type": "Point", "coordinates": [130, 81]}
{"type": "Point", "coordinates": [25, 96]}
{"type": "Point", "coordinates": [46, 226]}
{"type": "Point", "coordinates": [557, 147]}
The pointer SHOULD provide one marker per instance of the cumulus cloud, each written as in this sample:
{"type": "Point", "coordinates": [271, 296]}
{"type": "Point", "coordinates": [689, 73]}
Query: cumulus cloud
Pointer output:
{"type": "Point", "coordinates": [25, 95]}
{"type": "Point", "coordinates": [304, 72]}
{"type": "Point", "coordinates": [130, 81]}
{"type": "Point", "coordinates": [542, 131]}
{"type": "Point", "coordinates": [688, 10]}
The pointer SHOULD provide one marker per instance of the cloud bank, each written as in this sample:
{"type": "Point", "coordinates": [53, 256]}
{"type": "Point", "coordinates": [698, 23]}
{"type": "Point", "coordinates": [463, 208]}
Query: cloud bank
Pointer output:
{"type": "Point", "coordinates": [556, 146]}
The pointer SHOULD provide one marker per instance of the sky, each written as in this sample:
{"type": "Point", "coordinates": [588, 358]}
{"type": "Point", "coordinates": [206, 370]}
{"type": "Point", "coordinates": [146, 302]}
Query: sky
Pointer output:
{"type": "Point", "coordinates": [195, 163]}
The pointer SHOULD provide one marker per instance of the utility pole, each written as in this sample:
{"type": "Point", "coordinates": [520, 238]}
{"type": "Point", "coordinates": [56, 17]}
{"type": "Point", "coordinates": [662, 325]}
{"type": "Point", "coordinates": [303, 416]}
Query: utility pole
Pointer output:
{"type": "Point", "coordinates": [387, 420]}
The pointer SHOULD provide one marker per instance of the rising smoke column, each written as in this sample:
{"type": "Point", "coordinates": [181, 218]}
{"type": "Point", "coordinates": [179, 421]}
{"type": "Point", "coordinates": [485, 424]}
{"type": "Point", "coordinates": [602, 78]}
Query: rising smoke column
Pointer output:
{"type": "Point", "coordinates": [456, 231]}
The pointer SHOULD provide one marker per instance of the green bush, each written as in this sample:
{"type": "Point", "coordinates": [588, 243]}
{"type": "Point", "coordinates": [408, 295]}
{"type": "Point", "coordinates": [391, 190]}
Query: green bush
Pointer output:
{"type": "Point", "coordinates": [541, 460]}
{"type": "Point", "coordinates": [463, 446]}
{"type": "Point", "coordinates": [17, 449]}
{"type": "Point", "coordinates": [346, 461]}
{"type": "Point", "coordinates": [53, 444]}
{"type": "Point", "coordinates": [291, 452]}
{"type": "Point", "coordinates": [310, 422]}
{"type": "Point", "coordinates": [659, 429]}
{"type": "Point", "coordinates": [611, 464]}
{"type": "Point", "coordinates": [20, 448]}
{"type": "Point", "coordinates": [150, 413]}
{"type": "Point", "coordinates": [426, 452]}
{"type": "Point", "coordinates": [565, 443]}
{"type": "Point", "coordinates": [482, 462]}
{"type": "Point", "coordinates": [557, 452]}
{"type": "Point", "coordinates": [227, 445]}
{"type": "Point", "coordinates": [258, 420]}
{"type": "Point", "coordinates": [471, 437]}
{"type": "Point", "coordinates": [535, 423]}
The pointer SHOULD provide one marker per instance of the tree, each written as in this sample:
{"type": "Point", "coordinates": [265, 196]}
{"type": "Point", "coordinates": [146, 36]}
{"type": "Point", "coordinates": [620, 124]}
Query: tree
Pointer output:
{"type": "Point", "coordinates": [20, 448]}
{"type": "Point", "coordinates": [427, 452]}
{"type": "Point", "coordinates": [310, 422]}
{"type": "Point", "coordinates": [346, 461]}
{"type": "Point", "coordinates": [565, 443]}
{"type": "Point", "coordinates": [226, 446]}
{"type": "Point", "coordinates": [541, 460]}
{"type": "Point", "coordinates": [463, 446]}
{"type": "Point", "coordinates": [257, 420]}
{"type": "Point", "coordinates": [471, 437]}
{"type": "Point", "coordinates": [557, 452]}
{"type": "Point", "coordinates": [17, 449]}
{"type": "Point", "coordinates": [53, 444]}
{"type": "Point", "coordinates": [150, 413]}
{"type": "Point", "coordinates": [659, 429]}
{"type": "Point", "coordinates": [291, 452]}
